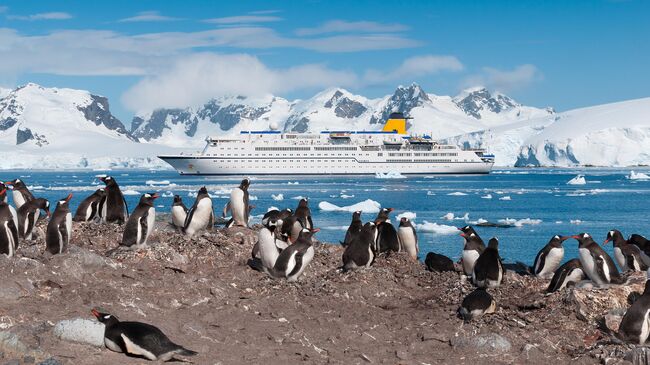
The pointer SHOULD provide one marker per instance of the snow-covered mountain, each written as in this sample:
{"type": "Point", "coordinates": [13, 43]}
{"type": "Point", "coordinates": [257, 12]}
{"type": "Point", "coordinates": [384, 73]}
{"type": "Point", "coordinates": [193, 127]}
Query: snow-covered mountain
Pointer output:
{"type": "Point", "coordinates": [616, 134]}
{"type": "Point", "coordinates": [333, 109]}
{"type": "Point", "coordinates": [63, 128]}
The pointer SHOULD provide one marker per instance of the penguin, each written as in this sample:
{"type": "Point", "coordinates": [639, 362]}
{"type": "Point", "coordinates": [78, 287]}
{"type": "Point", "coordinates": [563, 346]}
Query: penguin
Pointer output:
{"type": "Point", "coordinates": [90, 208]}
{"type": "Point", "coordinates": [353, 230]}
{"type": "Point", "coordinates": [438, 263]}
{"type": "Point", "coordinates": [360, 251]}
{"type": "Point", "coordinates": [627, 256]}
{"type": "Point", "coordinates": [138, 339]}
{"type": "Point", "coordinates": [59, 229]}
{"type": "Point", "coordinates": [278, 215]}
{"type": "Point", "coordinates": [635, 325]}
{"type": "Point", "coordinates": [472, 249]}
{"type": "Point", "coordinates": [239, 206]}
{"type": "Point", "coordinates": [268, 247]}
{"type": "Point", "coordinates": [476, 304]}
{"type": "Point", "coordinates": [488, 270]}
{"type": "Point", "coordinates": [141, 222]}
{"type": "Point", "coordinates": [115, 209]}
{"type": "Point", "coordinates": [20, 193]}
{"type": "Point", "coordinates": [294, 259]}
{"type": "Point", "coordinates": [387, 239]}
{"type": "Point", "coordinates": [570, 272]}
{"type": "Point", "coordinates": [596, 263]}
{"type": "Point", "coordinates": [179, 212]}
{"type": "Point", "coordinates": [644, 246]}
{"type": "Point", "coordinates": [200, 216]}
{"type": "Point", "coordinates": [8, 231]}
{"type": "Point", "coordinates": [291, 228]}
{"type": "Point", "coordinates": [4, 198]}
{"type": "Point", "coordinates": [28, 216]}
{"type": "Point", "coordinates": [548, 259]}
{"type": "Point", "coordinates": [408, 238]}
{"type": "Point", "coordinates": [303, 214]}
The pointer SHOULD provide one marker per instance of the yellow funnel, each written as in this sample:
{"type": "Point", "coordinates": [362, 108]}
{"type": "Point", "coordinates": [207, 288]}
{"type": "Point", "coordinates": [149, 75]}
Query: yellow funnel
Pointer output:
{"type": "Point", "coordinates": [396, 122]}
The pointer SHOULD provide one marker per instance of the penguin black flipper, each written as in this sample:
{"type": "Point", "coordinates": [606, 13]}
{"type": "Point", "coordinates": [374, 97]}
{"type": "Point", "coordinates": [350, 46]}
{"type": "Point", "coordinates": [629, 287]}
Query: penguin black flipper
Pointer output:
{"type": "Point", "coordinates": [558, 278]}
{"type": "Point", "coordinates": [144, 225]}
{"type": "Point", "coordinates": [126, 208]}
{"type": "Point", "coordinates": [298, 259]}
{"type": "Point", "coordinates": [540, 260]}
{"type": "Point", "coordinates": [93, 209]}
{"type": "Point", "coordinates": [30, 225]}
{"type": "Point", "coordinates": [387, 238]}
{"type": "Point", "coordinates": [311, 223]}
{"type": "Point", "coordinates": [211, 221]}
{"type": "Point", "coordinates": [64, 233]}
{"type": "Point", "coordinates": [13, 230]}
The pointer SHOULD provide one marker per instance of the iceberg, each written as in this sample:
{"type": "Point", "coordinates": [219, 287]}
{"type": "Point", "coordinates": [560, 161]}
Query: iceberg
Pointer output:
{"type": "Point", "coordinates": [578, 180]}
{"type": "Point", "coordinates": [638, 176]}
{"type": "Point", "coordinates": [390, 175]}
{"type": "Point", "coordinates": [436, 228]}
{"type": "Point", "coordinates": [366, 206]}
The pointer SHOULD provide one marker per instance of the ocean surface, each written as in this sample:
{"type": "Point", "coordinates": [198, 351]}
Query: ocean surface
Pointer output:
{"type": "Point", "coordinates": [538, 202]}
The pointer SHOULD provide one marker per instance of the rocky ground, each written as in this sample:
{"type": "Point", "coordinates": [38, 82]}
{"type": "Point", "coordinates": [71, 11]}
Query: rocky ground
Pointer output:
{"type": "Point", "coordinates": [202, 294]}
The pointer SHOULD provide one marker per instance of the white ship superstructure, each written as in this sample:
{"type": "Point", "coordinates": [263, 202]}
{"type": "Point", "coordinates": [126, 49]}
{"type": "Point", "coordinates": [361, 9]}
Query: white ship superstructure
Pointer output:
{"type": "Point", "coordinates": [331, 152]}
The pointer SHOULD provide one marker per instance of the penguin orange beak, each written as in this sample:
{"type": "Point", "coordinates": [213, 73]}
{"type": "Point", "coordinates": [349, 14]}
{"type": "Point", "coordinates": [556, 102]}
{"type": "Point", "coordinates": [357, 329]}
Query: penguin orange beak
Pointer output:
{"type": "Point", "coordinates": [564, 238]}
{"type": "Point", "coordinates": [3, 191]}
{"type": "Point", "coordinates": [95, 313]}
{"type": "Point", "coordinates": [315, 230]}
{"type": "Point", "coordinates": [67, 198]}
{"type": "Point", "coordinates": [390, 209]}
{"type": "Point", "coordinates": [155, 196]}
{"type": "Point", "coordinates": [462, 234]}
{"type": "Point", "coordinates": [607, 241]}
{"type": "Point", "coordinates": [9, 183]}
{"type": "Point", "coordinates": [576, 237]}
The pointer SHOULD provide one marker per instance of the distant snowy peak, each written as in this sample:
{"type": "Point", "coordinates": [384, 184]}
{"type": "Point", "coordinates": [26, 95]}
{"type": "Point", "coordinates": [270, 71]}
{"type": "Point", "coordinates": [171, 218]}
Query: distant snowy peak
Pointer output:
{"type": "Point", "coordinates": [479, 103]}
{"type": "Point", "coordinates": [403, 100]}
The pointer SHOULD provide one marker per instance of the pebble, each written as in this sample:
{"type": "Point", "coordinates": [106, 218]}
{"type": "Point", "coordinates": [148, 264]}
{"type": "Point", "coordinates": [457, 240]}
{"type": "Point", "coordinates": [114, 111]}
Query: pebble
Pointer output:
{"type": "Point", "coordinates": [490, 342]}
{"type": "Point", "coordinates": [80, 330]}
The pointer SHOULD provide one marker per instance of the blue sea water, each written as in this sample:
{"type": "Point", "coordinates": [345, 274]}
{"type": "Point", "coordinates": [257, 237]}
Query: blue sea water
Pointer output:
{"type": "Point", "coordinates": [608, 200]}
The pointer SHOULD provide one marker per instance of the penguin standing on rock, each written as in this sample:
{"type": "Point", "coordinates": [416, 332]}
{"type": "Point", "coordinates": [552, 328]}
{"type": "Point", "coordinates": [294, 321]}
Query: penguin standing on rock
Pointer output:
{"type": "Point", "coordinates": [387, 239]}
{"type": "Point", "coordinates": [138, 339]}
{"type": "Point", "coordinates": [472, 249]}
{"type": "Point", "coordinates": [354, 228]}
{"type": "Point", "coordinates": [28, 215]}
{"type": "Point", "coordinates": [21, 193]}
{"type": "Point", "coordinates": [303, 214]}
{"type": "Point", "coordinates": [596, 263]}
{"type": "Point", "coordinates": [239, 206]}
{"type": "Point", "coordinates": [360, 251]}
{"type": "Point", "coordinates": [476, 304]}
{"type": "Point", "coordinates": [644, 246]}
{"type": "Point", "coordinates": [5, 199]}
{"type": "Point", "coordinates": [268, 247]}
{"type": "Point", "coordinates": [179, 212]}
{"type": "Point", "coordinates": [140, 223]}
{"type": "Point", "coordinates": [488, 270]}
{"type": "Point", "coordinates": [294, 259]}
{"type": "Point", "coordinates": [570, 272]}
{"type": "Point", "coordinates": [8, 231]}
{"type": "Point", "coordinates": [115, 210]}
{"type": "Point", "coordinates": [635, 325]}
{"type": "Point", "coordinates": [408, 238]}
{"type": "Point", "coordinates": [200, 216]}
{"type": "Point", "coordinates": [548, 259]}
{"type": "Point", "coordinates": [90, 208]}
{"type": "Point", "coordinates": [59, 229]}
{"type": "Point", "coordinates": [627, 256]}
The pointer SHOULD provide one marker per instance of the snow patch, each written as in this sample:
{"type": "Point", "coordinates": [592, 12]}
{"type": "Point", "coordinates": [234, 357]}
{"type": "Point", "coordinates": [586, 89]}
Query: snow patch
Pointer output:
{"type": "Point", "coordinates": [366, 206]}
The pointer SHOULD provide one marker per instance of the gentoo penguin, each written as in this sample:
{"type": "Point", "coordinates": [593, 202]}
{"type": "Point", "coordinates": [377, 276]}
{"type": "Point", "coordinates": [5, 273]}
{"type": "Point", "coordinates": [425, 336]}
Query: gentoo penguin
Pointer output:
{"type": "Point", "coordinates": [360, 251]}
{"type": "Point", "coordinates": [569, 272]}
{"type": "Point", "coordinates": [353, 229]}
{"type": "Point", "coordinates": [238, 204]}
{"type": "Point", "coordinates": [476, 304]}
{"type": "Point", "coordinates": [21, 193]}
{"type": "Point", "coordinates": [28, 216]}
{"type": "Point", "coordinates": [179, 212]}
{"type": "Point", "coordinates": [59, 228]}
{"type": "Point", "coordinates": [200, 216]}
{"type": "Point", "coordinates": [635, 325]}
{"type": "Point", "coordinates": [8, 231]}
{"type": "Point", "coordinates": [472, 249]}
{"type": "Point", "coordinates": [268, 247]}
{"type": "Point", "coordinates": [291, 228]}
{"type": "Point", "coordinates": [303, 214]}
{"type": "Point", "coordinates": [644, 246]}
{"type": "Point", "coordinates": [488, 270]}
{"type": "Point", "coordinates": [438, 263]}
{"type": "Point", "coordinates": [115, 209]}
{"type": "Point", "coordinates": [387, 239]}
{"type": "Point", "coordinates": [140, 223]}
{"type": "Point", "coordinates": [90, 208]}
{"type": "Point", "coordinates": [294, 259]}
{"type": "Point", "coordinates": [408, 239]}
{"type": "Point", "coordinates": [278, 215]}
{"type": "Point", "coordinates": [596, 263]}
{"type": "Point", "coordinates": [4, 198]}
{"type": "Point", "coordinates": [627, 256]}
{"type": "Point", "coordinates": [138, 339]}
{"type": "Point", "coordinates": [549, 257]}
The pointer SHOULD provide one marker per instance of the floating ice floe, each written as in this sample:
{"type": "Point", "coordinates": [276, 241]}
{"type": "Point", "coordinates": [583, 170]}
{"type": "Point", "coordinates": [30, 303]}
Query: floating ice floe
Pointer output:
{"type": "Point", "coordinates": [390, 175]}
{"type": "Point", "coordinates": [507, 197]}
{"type": "Point", "coordinates": [366, 206]}
{"type": "Point", "coordinates": [336, 228]}
{"type": "Point", "coordinates": [252, 197]}
{"type": "Point", "coordinates": [638, 176]}
{"type": "Point", "coordinates": [520, 222]}
{"type": "Point", "coordinates": [168, 194]}
{"type": "Point", "coordinates": [130, 192]}
{"type": "Point", "coordinates": [436, 228]}
{"type": "Point", "coordinates": [277, 197]}
{"type": "Point", "coordinates": [578, 180]}
{"type": "Point", "coordinates": [344, 196]}
{"type": "Point", "coordinates": [293, 183]}
{"type": "Point", "coordinates": [456, 193]}
{"type": "Point", "coordinates": [299, 197]}
{"type": "Point", "coordinates": [576, 194]}
{"type": "Point", "coordinates": [430, 193]}
{"type": "Point", "coordinates": [489, 196]}
{"type": "Point", "coordinates": [451, 216]}
{"type": "Point", "coordinates": [408, 215]}
{"type": "Point", "coordinates": [154, 182]}
{"type": "Point", "coordinates": [575, 221]}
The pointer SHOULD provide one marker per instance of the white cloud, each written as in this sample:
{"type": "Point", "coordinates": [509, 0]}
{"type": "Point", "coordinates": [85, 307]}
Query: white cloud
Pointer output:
{"type": "Point", "coordinates": [55, 15]}
{"type": "Point", "coordinates": [342, 26]}
{"type": "Point", "coordinates": [505, 80]}
{"type": "Point", "coordinates": [415, 67]}
{"type": "Point", "coordinates": [243, 19]}
{"type": "Point", "coordinates": [148, 16]}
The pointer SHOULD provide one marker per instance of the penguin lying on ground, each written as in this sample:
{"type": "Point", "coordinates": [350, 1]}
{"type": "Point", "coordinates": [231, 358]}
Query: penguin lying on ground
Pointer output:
{"type": "Point", "coordinates": [90, 209]}
{"type": "Point", "coordinates": [141, 222]}
{"type": "Point", "coordinates": [476, 304]}
{"type": "Point", "coordinates": [179, 212]}
{"type": "Point", "coordinates": [8, 231]}
{"type": "Point", "coordinates": [354, 228]}
{"type": "Point", "coordinates": [138, 339]}
{"type": "Point", "coordinates": [238, 205]}
{"type": "Point", "coordinates": [628, 256]}
{"type": "Point", "coordinates": [28, 215]}
{"type": "Point", "coordinates": [635, 325]}
{"type": "Point", "coordinates": [360, 251]}
{"type": "Point", "coordinates": [549, 257]}
{"type": "Point", "coordinates": [20, 192]}
{"type": "Point", "coordinates": [570, 272]}
{"type": "Point", "coordinates": [59, 228]}
{"type": "Point", "coordinates": [488, 271]}
{"type": "Point", "coordinates": [436, 262]}
{"type": "Point", "coordinates": [596, 263]}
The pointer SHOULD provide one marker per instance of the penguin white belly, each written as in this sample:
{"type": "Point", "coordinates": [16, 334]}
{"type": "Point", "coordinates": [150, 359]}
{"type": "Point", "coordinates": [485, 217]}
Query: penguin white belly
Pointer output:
{"type": "Point", "coordinates": [104, 211]}
{"type": "Point", "coordinates": [19, 199]}
{"type": "Point", "coordinates": [151, 222]}
{"type": "Point", "coordinates": [10, 240]}
{"type": "Point", "coordinates": [280, 244]}
{"type": "Point", "coordinates": [14, 214]}
{"type": "Point", "coordinates": [552, 262]}
{"type": "Point", "coordinates": [36, 215]}
{"type": "Point", "coordinates": [469, 259]}
{"type": "Point", "coordinates": [408, 240]}
{"type": "Point", "coordinates": [68, 226]}
{"type": "Point", "coordinates": [268, 249]}
{"type": "Point", "coordinates": [200, 217]}
{"type": "Point", "coordinates": [575, 276]}
{"type": "Point", "coordinates": [178, 216]}
{"type": "Point", "coordinates": [589, 266]}
{"type": "Point", "coordinates": [237, 207]}
{"type": "Point", "coordinates": [371, 256]}
{"type": "Point", "coordinates": [620, 259]}
{"type": "Point", "coordinates": [295, 230]}
{"type": "Point", "coordinates": [306, 259]}
{"type": "Point", "coordinates": [89, 212]}
{"type": "Point", "coordinates": [112, 345]}
{"type": "Point", "coordinates": [134, 349]}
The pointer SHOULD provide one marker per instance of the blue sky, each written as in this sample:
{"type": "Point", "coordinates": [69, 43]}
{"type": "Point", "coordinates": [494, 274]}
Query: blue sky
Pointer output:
{"type": "Point", "coordinates": [148, 54]}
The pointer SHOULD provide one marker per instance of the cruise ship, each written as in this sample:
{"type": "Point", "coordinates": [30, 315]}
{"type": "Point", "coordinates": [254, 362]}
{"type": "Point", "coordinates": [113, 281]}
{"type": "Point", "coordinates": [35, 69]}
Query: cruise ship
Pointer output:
{"type": "Point", "coordinates": [390, 150]}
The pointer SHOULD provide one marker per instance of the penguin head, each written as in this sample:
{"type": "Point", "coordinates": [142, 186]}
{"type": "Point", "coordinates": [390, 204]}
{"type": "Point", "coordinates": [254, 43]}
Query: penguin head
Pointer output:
{"type": "Point", "coordinates": [493, 243]}
{"type": "Point", "coordinates": [404, 222]}
{"type": "Point", "coordinates": [273, 223]}
{"type": "Point", "coordinates": [16, 184]}
{"type": "Point", "coordinates": [304, 202]}
{"type": "Point", "coordinates": [100, 192]}
{"type": "Point", "coordinates": [203, 191]}
{"type": "Point", "coordinates": [108, 180]}
{"type": "Point", "coordinates": [43, 204]}
{"type": "Point", "coordinates": [178, 199]}
{"type": "Point", "coordinates": [583, 238]}
{"type": "Point", "coordinates": [105, 318]}
{"type": "Point", "coordinates": [556, 241]}
{"type": "Point", "coordinates": [63, 203]}
{"type": "Point", "coordinates": [356, 216]}
{"type": "Point", "coordinates": [369, 227]}
{"type": "Point", "coordinates": [245, 184]}
{"type": "Point", "coordinates": [382, 216]}
{"type": "Point", "coordinates": [308, 233]}
{"type": "Point", "coordinates": [612, 235]}
{"type": "Point", "coordinates": [466, 230]}
{"type": "Point", "coordinates": [148, 198]}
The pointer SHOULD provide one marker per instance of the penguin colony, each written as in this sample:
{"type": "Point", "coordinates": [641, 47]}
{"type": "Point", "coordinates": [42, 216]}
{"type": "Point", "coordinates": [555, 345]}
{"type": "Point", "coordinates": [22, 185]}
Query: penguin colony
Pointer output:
{"type": "Point", "coordinates": [285, 248]}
